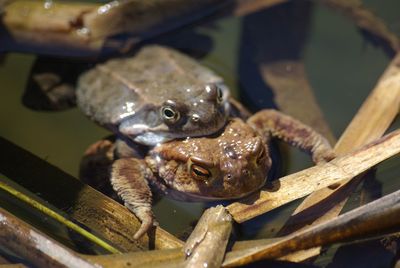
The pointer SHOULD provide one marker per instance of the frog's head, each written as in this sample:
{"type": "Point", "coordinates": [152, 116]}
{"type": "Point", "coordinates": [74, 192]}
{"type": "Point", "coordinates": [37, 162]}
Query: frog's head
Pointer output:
{"type": "Point", "coordinates": [229, 165]}
{"type": "Point", "coordinates": [196, 111]}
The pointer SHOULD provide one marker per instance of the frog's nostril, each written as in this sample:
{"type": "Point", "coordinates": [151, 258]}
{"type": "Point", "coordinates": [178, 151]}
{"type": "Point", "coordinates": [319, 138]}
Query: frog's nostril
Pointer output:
{"type": "Point", "coordinates": [211, 89]}
{"type": "Point", "coordinates": [212, 92]}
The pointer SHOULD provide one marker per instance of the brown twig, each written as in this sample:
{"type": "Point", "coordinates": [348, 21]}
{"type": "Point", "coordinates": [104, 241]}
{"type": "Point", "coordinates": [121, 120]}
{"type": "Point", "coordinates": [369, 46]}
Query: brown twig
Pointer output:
{"type": "Point", "coordinates": [207, 244]}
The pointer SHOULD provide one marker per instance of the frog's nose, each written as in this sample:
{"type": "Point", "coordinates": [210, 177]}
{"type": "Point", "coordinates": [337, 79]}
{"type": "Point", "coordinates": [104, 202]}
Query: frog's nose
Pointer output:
{"type": "Point", "coordinates": [214, 93]}
{"type": "Point", "coordinates": [211, 90]}
{"type": "Point", "coordinates": [257, 146]}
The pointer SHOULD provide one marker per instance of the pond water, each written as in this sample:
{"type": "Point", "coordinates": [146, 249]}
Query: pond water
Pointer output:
{"type": "Point", "coordinates": [342, 68]}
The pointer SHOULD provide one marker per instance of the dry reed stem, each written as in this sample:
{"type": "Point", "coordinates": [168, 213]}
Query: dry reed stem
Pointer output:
{"type": "Point", "coordinates": [376, 218]}
{"type": "Point", "coordinates": [371, 121]}
{"type": "Point", "coordinates": [302, 183]}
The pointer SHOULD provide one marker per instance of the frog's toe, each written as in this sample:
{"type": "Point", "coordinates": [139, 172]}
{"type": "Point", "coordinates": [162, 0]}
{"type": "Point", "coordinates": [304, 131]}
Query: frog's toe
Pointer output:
{"type": "Point", "coordinates": [128, 178]}
{"type": "Point", "coordinates": [148, 221]}
{"type": "Point", "coordinates": [323, 156]}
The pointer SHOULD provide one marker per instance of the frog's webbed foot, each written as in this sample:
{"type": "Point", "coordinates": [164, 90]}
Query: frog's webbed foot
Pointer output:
{"type": "Point", "coordinates": [51, 84]}
{"type": "Point", "coordinates": [46, 92]}
{"type": "Point", "coordinates": [128, 178]}
{"type": "Point", "coordinates": [276, 124]}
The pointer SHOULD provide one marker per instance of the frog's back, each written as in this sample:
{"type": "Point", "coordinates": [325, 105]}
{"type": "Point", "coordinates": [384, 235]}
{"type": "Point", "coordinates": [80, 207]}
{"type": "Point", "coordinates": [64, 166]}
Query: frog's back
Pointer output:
{"type": "Point", "coordinates": [120, 88]}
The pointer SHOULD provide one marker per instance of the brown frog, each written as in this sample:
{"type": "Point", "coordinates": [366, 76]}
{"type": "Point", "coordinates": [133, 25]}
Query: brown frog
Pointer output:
{"type": "Point", "coordinates": [227, 165]}
{"type": "Point", "coordinates": [157, 95]}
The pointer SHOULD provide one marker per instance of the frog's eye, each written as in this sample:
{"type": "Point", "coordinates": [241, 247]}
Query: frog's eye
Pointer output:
{"type": "Point", "coordinates": [199, 173]}
{"type": "Point", "coordinates": [220, 95]}
{"type": "Point", "coordinates": [170, 114]}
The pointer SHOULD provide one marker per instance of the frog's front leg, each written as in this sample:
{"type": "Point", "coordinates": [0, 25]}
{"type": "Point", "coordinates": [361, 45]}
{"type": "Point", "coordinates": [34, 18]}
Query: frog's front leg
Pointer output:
{"type": "Point", "coordinates": [276, 124]}
{"type": "Point", "coordinates": [129, 179]}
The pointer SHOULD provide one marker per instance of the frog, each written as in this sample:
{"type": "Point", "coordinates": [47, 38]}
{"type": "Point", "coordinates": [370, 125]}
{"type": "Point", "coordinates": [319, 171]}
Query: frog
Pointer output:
{"type": "Point", "coordinates": [227, 165]}
{"type": "Point", "coordinates": [155, 96]}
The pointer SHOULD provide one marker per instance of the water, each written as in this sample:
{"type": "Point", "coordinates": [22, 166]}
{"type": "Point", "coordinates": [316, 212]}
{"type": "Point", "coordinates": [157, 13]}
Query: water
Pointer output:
{"type": "Point", "coordinates": [342, 68]}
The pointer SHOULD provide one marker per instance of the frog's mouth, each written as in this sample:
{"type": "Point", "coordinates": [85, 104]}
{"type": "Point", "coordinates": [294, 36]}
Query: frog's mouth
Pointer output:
{"type": "Point", "coordinates": [198, 197]}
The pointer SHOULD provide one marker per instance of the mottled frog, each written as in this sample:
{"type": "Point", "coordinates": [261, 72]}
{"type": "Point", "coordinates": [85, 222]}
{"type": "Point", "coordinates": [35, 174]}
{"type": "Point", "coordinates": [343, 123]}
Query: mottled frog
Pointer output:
{"type": "Point", "coordinates": [229, 164]}
{"type": "Point", "coordinates": [157, 95]}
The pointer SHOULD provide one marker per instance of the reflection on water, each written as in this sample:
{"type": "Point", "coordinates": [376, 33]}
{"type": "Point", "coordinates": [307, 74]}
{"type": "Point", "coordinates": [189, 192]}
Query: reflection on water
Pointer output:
{"type": "Point", "coordinates": [342, 68]}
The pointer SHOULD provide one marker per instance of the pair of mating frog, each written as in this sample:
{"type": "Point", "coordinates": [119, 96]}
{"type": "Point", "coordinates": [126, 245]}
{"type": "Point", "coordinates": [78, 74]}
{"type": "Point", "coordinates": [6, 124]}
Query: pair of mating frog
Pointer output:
{"type": "Point", "coordinates": [200, 144]}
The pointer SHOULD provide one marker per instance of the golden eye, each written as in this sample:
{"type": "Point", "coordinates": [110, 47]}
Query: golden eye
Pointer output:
{"type": "Point", "coordinates": [220, 95]}
{"type": "Point", "coordinates": [170, 114]}
{"type": "Point", "coordinates": [199, 173]}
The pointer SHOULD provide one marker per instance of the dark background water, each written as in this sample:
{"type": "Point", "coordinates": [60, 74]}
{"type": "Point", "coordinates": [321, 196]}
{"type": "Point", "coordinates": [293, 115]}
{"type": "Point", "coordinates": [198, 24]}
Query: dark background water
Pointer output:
{"type": "Point", "coordinates": [342, 68]}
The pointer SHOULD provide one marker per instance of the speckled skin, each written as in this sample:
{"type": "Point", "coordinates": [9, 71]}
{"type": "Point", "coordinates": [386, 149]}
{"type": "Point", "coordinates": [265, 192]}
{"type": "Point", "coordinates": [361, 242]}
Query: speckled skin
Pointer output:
{"type": "Point", "coordinates": [236, 160]}
{"type": "Point", "coordinates": [127, 96]}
